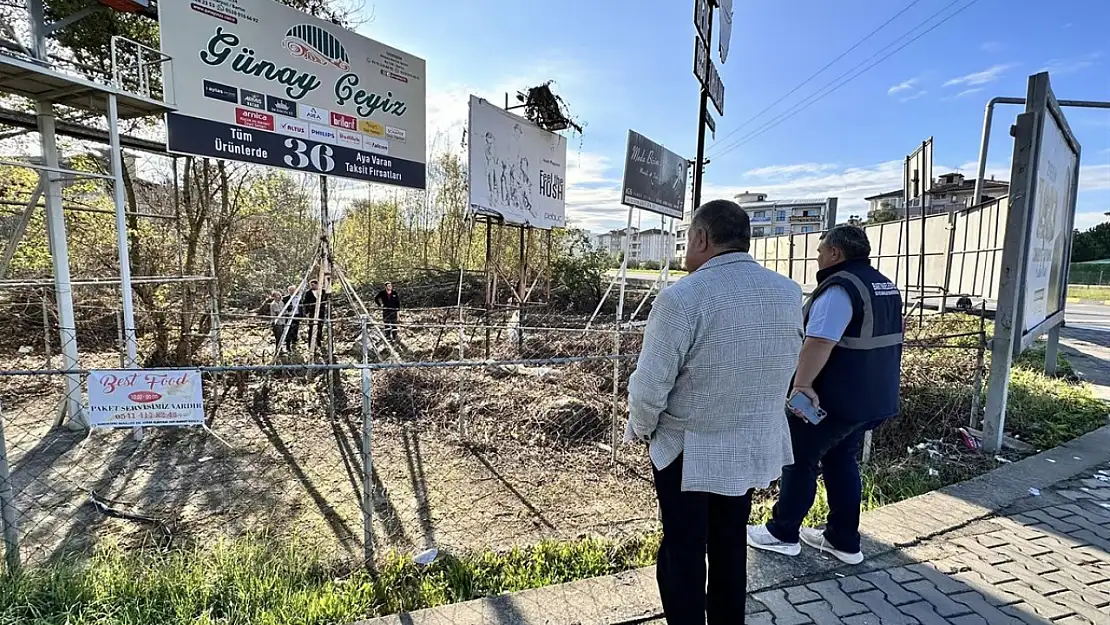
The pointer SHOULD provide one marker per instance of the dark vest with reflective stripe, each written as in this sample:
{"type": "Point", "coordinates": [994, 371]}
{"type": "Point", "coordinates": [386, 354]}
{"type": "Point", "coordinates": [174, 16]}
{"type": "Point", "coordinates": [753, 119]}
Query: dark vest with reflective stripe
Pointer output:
{"type": "Point", "coordinates": [861, 379]}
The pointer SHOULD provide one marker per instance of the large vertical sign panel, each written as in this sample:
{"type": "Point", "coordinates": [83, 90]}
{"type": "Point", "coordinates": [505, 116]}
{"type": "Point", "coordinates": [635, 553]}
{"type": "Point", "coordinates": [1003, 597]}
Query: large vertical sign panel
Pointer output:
{"type": "Point", "coordinates": [654, 177]}
{"type": "Point", "coordinates": [518, 170]}
{"type": "Point", "coordinates": [259, 82]}
{"type": "Point", "coordinates": [1050, 219]}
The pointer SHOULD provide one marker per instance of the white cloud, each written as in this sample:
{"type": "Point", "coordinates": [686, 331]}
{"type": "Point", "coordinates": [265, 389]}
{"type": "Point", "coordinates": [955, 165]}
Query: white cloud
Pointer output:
{"type": "Point", "coordinates": [913, 97]}
{"type": "Point", "coordinates": [964, 93]}
{"type": "Point", "coordinates": [1089, 219]}
{"type": "Point", "coordinates": [783, 171]}
{"type": "Point", "coordinates": [988, 75]}
{"type": "Point", "coordinates": [905, 85]}
{"type": "Point", "coordinates": [1070, 66]}
{"type": "Point", "coordinates": [1094, 177]}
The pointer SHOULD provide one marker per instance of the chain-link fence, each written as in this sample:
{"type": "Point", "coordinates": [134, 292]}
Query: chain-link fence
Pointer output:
{"type": "Point", "coordinates": [439, 439]}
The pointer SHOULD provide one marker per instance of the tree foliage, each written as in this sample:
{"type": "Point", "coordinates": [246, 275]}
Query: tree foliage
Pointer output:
{"type": "Point", "coordinates": [1093, 244]}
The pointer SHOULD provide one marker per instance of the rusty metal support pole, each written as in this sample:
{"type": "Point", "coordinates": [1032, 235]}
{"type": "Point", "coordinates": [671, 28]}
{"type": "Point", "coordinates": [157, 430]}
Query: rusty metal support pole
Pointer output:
{"type": "Point", "coordinates": [489, 287]}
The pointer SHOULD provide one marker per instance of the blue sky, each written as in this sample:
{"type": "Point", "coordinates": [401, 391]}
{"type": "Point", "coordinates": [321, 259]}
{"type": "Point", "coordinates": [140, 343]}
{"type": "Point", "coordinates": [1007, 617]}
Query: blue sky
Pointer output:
{"type": "Point", "coordinates": [624, 64]}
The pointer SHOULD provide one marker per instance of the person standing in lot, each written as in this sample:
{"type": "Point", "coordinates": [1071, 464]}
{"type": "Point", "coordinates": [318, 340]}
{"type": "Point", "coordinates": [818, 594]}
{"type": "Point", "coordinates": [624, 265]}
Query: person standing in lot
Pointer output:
{"type": "Point", "coordinates": [707, 395]}
{"type": "Point", "coordinates": [390, 303]}
{"type": "Point", "coordinates": [850, 366]}
{"type": "Point", "coordinates": [292, 310]}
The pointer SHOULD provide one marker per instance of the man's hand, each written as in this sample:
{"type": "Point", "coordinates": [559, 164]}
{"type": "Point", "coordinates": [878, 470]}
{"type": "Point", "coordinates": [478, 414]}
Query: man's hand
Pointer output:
{"type": "Point", "coordinates": [808, 392]}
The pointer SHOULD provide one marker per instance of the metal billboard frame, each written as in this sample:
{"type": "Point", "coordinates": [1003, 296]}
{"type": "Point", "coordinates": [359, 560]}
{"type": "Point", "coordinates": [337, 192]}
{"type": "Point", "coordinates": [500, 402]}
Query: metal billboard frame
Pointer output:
{"type": "Point", "coordinates": [1010, 337]}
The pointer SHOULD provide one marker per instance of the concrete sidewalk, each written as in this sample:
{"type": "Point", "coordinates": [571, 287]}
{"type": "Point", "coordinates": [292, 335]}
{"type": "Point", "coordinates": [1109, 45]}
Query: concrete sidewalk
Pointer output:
{"type": "Point", "coordinates": [986, 551]}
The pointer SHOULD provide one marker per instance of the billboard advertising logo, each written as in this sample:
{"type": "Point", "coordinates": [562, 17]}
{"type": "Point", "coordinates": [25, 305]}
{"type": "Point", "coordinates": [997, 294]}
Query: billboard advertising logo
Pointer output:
{"type": "Point", "coordinates": [312, 43]}
{"type": "Point", "coordinates": [254, 119]}
{"type": "Point", "coordinates": [374, 129]}
{"type": "Point", "coordinates": [314, 114]}
{"type": "Point", "coordinates": [346, 122]}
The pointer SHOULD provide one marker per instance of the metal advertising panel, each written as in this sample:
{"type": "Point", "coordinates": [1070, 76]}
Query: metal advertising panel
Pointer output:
{"type": "Point", "coordinates": [654, 177]}
{"type": "Point", "coordinates": [129, 398]}
{"type": "Point", "coordinates": [1052, 211]}
{"type": "Point", "coordinates": [518, 170]}
{"type": "Point", "coordinates": [701, 18]}
{"type": "Point", "coordinates": [708, 76]}
{"type": "Point", "coordinates": [259, 82]}
{"type": "Point", "coordinates": [725, 15]}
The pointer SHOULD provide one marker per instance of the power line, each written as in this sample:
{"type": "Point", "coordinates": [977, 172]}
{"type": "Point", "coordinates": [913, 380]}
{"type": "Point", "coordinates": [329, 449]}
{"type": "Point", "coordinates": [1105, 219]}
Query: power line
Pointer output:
{"type": "Point", "coordinates": [818, 95]}
{"type": "Point", "coordinates": [816, 74]}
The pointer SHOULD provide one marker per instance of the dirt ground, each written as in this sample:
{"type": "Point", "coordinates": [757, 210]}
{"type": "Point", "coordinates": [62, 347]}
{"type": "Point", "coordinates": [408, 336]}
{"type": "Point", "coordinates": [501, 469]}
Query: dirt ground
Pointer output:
{"type": "Point", "coordinates": [482, 457]}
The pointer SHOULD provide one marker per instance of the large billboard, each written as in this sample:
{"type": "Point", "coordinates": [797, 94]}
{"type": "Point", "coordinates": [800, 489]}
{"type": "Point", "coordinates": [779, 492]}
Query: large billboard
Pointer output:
{"type": "Point", "coordinates": [518, 170]}
{"type": "Point", "coordinates": [259, 82]}
{"type": "Point", "coordinates": [654, 177]}
{"type": "Point", "coordinates": [1050, 220]}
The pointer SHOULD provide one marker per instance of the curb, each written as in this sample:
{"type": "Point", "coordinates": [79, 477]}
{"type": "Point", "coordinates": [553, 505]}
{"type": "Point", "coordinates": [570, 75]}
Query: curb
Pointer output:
{"type": "Point", "coordinates": [632, 597]}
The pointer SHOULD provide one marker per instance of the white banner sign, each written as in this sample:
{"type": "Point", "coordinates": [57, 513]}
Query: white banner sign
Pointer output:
{"type": "Point", "coordinates": [129, 398]}
{"type": "Point", "coordinates": [1048, 237]}
{"type": "Point", "coordinates": [260, 82]}
{"type": "Point", "coordinates": [517, 170]}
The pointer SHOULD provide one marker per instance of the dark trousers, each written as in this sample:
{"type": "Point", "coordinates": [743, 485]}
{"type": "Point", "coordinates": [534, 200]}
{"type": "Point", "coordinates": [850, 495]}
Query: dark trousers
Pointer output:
{"type": "Point", "coordinates": [832, 446]}
{"type": "Point", "coordinates": [291, 335]}
{"type": "Point", "coordinates": [315, 328]}
{"type": "Point", "coordinates": [277, 330]}
{"type": "Point", "coordinates": [390, 321]}
{"type": "Point", "coordinates": [696, 524]}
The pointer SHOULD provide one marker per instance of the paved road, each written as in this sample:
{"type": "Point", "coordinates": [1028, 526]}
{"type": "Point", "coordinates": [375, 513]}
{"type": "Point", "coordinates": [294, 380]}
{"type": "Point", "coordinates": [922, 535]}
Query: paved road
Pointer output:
{"type": "Point", "coordinates": [1093, 316]}
{"type": "Point", "coordinates": [1043, 561]}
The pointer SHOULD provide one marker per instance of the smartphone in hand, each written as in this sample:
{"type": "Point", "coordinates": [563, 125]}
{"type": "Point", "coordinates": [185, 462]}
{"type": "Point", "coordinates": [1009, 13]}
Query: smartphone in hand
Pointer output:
{"type": "Point", "coordinates": [801, 405]}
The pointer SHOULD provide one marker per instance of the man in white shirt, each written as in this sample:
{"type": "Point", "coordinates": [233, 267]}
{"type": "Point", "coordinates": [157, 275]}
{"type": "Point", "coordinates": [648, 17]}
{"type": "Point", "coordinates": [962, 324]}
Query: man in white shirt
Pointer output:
{"type": "Point", "coordinates": [708, 394]}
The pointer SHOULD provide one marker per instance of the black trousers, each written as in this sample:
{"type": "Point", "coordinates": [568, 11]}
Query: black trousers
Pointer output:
{"type": "Point", "coordinates": [389, 319]}
{"type": "Point", "coordinates": [697, 525]}
{"type": "Point", "coordinates": [291, 335]}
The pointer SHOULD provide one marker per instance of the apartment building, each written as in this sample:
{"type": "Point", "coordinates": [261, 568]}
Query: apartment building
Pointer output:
{"type": "Point", "coordinates": [950, 191]}
{"type": "Point", "coordinates": [645, 245]}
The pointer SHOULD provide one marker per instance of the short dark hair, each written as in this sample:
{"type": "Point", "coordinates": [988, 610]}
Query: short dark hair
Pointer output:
{"type": "Point", "coordinates": [726, 224]}
{"type": "Point", "coordinates": [850, 240]}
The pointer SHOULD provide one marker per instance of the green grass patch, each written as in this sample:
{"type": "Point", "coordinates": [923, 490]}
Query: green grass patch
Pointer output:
{"type": "Point", "coordinates": [1089, 293]}
{"type": "Point", "coordinates": [256, 581]}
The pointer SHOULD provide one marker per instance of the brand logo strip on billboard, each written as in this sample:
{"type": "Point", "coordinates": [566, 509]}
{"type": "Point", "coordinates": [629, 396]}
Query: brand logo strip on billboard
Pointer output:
{"type": "Point", "coordinates": [202, 137]}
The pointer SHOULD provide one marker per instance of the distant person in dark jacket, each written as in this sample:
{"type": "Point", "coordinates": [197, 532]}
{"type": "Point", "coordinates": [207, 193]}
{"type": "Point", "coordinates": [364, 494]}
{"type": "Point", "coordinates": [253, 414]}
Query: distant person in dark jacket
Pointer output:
{"type": "Point", "coordinates": [292, 312]}
{"type": "Point", "coordinates": [390, 303]}
{"type": "Point", "coordinates": [315, 319]}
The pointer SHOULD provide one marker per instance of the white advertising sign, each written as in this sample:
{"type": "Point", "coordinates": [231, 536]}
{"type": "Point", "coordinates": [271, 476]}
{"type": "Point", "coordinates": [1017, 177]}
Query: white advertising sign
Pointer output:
{"type": "Point", "coordinates": [517, 170]}
{"type": "Point", "coordinates": [243, 73]}
{"type": "Point", "coordinates": [128, 398]}
{"type": "Point", "coordinates": [1048, 236]}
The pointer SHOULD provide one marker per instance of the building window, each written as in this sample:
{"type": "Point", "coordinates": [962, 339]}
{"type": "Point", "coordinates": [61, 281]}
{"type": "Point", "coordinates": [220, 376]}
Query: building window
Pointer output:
{"type": "Point", "coordinates": [780, 230]}
{"type": "Point", "coordinates": [782, 215]}
{"type": "Point", "coordinates": [757, 232]}
{"type": "Point", "coordinates": [759, 215]}
{"type": "Point", "coordinates": [806, 229]}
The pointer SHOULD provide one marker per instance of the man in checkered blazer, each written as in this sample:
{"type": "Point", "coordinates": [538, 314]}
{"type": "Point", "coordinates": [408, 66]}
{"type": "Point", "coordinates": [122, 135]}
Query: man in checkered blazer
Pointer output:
{"type": "Point", "coordinates": [708, 395]}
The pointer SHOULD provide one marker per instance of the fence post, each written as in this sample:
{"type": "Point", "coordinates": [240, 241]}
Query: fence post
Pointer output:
{"type": "Point", "coordinates": [120, 341]}
{"type": "Point", "coordinates": [367, 465]}
{"type": "Point", "coordinates": [46, 332]}
{"type": "Point", "coordinates": [980, 360]}
{"type": "Point", "coordinates": [866, 448]}
{"type": "Point", "coordinates": [1052, 346]}
{"type": "Point", "coordinates": [7, 507]}
{"type": "Point", "coordinates": [615, 434]}
{"type": "Point", "coordinates": [462, 356]}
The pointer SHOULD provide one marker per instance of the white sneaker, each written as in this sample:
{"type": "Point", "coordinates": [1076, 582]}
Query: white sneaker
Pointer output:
{"type": "Point", "coordinates": [760, 538]}
{"type": "Point", "coordinates": [816, 538]}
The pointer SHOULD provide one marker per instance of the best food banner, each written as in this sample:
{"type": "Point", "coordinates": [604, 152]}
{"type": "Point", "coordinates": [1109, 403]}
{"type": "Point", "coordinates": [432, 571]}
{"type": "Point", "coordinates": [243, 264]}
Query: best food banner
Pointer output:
{"type": "Point", "coordinates": [131, 398]}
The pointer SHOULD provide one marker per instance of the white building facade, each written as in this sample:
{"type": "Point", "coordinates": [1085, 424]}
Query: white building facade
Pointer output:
{"type": "Point", "coordinates": [772, 218]}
